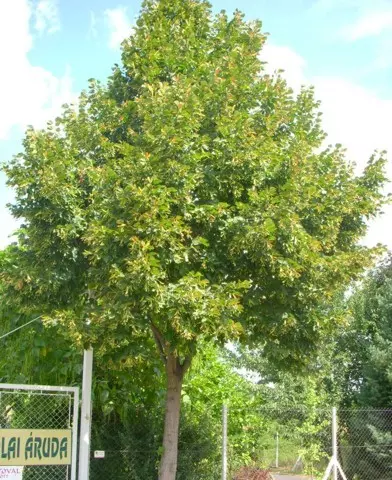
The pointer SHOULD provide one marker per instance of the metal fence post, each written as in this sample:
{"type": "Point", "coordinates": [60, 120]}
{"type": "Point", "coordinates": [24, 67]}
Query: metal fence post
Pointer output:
{"type": "Point", "coordinates": [85, 419]}
{"type": "Point", "coordinates": [224, 442]}
{"type": "Point", "coordinates": [335, 443]}
{"type": "Point", "coordinates": [277, 451]}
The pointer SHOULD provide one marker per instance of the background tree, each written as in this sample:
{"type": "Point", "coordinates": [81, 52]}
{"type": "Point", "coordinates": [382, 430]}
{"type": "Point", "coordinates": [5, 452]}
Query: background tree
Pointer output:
{"type": "Point", "coordinates": [367, 342]}
{"type": "Point", "coordinates": [296, 404]}
{"type": "Point", "coordinates": [188, 201]}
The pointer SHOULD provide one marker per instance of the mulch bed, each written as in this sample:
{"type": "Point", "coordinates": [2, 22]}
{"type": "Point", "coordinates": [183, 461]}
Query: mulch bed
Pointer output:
{"type": "Point", "coordinates": [251, 473]}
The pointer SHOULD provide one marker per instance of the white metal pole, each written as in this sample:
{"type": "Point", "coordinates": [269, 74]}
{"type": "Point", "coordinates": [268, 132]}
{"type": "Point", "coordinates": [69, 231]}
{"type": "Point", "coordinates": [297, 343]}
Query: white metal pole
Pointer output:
{"type": "Point", "coordinates": [224, 442]}
{"type": "Point", "coordinates": [328, 470]}
{"type": "Point", "coordinates": [85, 420]}
{"type": "Point", "coordinates": [277, 450]}
{"type": "Point", "coordinates": [335, 443]}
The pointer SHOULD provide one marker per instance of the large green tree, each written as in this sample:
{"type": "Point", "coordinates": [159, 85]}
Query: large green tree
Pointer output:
{"type": "Point", "coordinates": [368, 340]}
{"type": "Point", "coordinates": [188, 199]}
{"type": "Point", "coordinates": [367, 345]}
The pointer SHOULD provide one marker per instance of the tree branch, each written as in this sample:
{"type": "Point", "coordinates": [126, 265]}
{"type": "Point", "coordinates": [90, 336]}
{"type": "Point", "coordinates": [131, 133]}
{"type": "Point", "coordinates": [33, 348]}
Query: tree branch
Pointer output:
{"type": "Point", "coordinates": [159, 342]}
{"type": "Point", "coordinates": [187, 363]}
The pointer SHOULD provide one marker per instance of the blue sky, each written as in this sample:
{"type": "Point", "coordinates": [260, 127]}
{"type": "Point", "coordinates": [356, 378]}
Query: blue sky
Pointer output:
{"type": "Point", "coordinates": [49, 48]}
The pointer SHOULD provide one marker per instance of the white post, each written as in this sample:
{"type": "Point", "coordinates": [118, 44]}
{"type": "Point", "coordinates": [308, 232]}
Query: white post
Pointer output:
{"type": "Point", "coordinates": [335, 443]}
{"type": "Point", "coordinates": [334, 465]}
{"type": "Point", "coordinates": [277, 450]}
{"type": "Point", "coordinates": [85, 420]}
{"type": "Point", "coordinates": [224, 442]}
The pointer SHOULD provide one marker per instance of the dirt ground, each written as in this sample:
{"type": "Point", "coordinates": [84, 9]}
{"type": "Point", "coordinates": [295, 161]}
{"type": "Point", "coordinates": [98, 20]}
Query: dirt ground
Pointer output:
{"type": "Point", "coordinates": [282, 476]}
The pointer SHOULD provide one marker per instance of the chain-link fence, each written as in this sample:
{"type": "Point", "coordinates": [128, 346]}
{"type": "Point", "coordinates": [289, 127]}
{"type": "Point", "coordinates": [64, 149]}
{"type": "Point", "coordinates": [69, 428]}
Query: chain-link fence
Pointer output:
{"type": "Point", "coordinates": [279, 440]}
{"type": "Point", "coordinates": [300, 441]}
{"type": "Point", "coordinates": [39, 408]}
{"type": "Point", "coordinates": [260, 440]}
{"type": "Point", "coordinates": [365, 443]}
{"type": "Point", "coordinates": [132, 446]}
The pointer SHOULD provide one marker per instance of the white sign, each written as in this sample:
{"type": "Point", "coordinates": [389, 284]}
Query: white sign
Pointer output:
{"type": "Point", "coordinates": [11, 473]}
{"type": "Point", "coordinates": [98, 454]}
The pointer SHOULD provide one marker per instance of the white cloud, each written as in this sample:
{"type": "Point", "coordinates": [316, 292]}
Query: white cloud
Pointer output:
{"type": "Point", "coordinates": [47, 18]}
{"type": "Point", "coordinates": [369, 24]}
{"type": "Point", "coordinates": [92, 31]}
{"type": "Point", "coordinates": [281, 57]}
{"type": "Point", "coordinates": [28, 94]}
{"type": "Point", "coordinates": [119, 25]}
{"type": "Point", "coordinates": [370, 18]}
{"type": "Point", "coordinates": [7, 222]}
{"type": "Point", "coordinates": [359, 119]}
{"type": "Point", "coordinates": [352, 115]}
{"type": "Point", "coordinates": [8, 225]}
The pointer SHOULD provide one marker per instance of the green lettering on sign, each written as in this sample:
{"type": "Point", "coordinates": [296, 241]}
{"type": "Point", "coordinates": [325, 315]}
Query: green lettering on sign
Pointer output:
{"type": "Point", "coordinates": [21, 447]}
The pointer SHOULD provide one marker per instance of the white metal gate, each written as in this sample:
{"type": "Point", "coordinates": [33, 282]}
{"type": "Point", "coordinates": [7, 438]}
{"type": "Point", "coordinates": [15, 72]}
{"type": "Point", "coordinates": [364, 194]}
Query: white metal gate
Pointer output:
{"type": "Point", "coordinates": [40, 408]}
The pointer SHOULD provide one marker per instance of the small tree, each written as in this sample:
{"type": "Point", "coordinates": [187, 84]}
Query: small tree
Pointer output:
{"type": "Point", "coordinates": [187, 200]}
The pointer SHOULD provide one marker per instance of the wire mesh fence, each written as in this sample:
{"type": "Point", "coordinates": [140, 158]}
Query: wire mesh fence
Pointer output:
{"type": "Point", "coordinates": [365, 443]}
{"type": "Point", "coordinates": [260, 441]}
{"type": "Point", "coordinates": [133, 447]}
{"type": "Point", "coordinates": [300, 441]}
{"type": "Point", "coordinates": [280, 440]}
{"type": "Point", "coordinates": [40, 408]}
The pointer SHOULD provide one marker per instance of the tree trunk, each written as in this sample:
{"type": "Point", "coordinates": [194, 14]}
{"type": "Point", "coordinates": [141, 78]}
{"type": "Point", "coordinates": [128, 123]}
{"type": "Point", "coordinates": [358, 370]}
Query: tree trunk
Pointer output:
{"type": "Point", "coordinates": [175, 374]}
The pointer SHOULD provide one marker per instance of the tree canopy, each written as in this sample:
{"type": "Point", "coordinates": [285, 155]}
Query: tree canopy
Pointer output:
{"type": "Point", "coordinates": [190, 198]}
{"type": "Point", "coordinates": [367, 340]}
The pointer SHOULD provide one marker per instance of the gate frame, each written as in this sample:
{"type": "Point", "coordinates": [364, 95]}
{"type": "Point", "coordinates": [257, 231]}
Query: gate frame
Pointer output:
{"type": "Point", "coordinates": [75, 426]}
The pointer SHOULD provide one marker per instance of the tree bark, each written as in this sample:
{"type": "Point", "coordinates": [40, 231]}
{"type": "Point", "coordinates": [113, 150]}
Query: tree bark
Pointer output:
{"type": "Point", "coordinates": [175, 371]}
{"type": "Point", "coordinates": [175, 375]}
